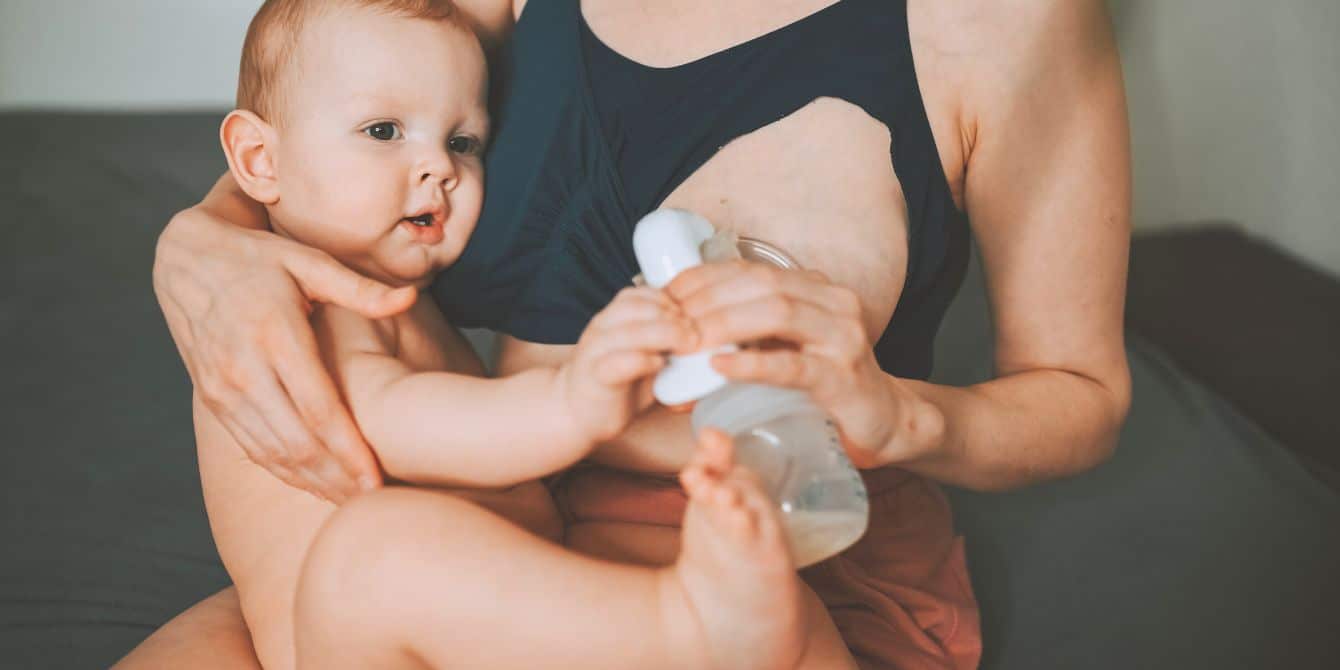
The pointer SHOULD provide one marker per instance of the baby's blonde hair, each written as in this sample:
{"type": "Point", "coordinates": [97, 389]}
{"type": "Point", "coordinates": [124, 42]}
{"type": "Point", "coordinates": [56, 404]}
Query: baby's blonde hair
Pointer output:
{"type": "Point", "coordinates": [275, 31]}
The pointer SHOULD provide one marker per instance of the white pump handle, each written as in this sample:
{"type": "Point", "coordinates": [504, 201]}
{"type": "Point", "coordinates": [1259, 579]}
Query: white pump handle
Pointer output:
{"type": "Point", "coordinates": [666, 243]}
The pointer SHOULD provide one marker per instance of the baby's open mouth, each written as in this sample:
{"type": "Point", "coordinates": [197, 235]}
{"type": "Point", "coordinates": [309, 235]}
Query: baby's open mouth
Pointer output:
{"type": "Point", "coordinates": [426, 228]}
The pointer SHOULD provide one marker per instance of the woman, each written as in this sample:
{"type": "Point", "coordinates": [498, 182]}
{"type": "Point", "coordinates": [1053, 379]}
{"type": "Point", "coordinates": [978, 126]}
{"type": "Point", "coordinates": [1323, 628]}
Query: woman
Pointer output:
{"type": "Point", "coordinates": [777, 120]}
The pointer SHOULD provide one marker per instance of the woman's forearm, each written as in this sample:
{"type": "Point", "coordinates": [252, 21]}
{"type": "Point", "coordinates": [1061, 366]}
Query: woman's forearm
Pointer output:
{"type": "Point", "coordinates": [1009, 432]}
{"type": "Point", "coordinates": [658, 442]}
{"type": "Point", "coordinates": [1020, 428]}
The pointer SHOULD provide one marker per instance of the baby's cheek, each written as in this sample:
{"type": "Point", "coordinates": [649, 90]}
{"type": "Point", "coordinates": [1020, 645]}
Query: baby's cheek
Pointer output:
{"type": "Point", "coordinates": [365, 197]}
{"type": "Point", "coordinates": [471, 200]}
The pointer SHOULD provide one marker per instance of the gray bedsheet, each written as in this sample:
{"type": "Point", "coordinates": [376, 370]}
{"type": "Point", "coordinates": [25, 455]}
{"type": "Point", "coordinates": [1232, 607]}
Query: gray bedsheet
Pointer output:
{"type": "Point", "coordinates": [1202, 544]}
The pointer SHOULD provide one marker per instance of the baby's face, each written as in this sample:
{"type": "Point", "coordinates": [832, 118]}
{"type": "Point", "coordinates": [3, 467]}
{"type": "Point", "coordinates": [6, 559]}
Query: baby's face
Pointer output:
{"type": "Point", "coordinates": [379, 159]}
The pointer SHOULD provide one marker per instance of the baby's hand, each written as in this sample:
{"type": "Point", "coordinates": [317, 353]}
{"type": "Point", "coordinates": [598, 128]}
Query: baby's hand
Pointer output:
{"type": "Point", "coordinates": [608, 380]}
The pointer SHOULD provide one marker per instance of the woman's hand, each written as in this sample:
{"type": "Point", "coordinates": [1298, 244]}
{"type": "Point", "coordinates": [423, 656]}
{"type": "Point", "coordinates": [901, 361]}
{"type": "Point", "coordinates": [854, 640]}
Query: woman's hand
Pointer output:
{"type": "Point", "coordinates": [236, 301]}
{"type": "Point", "coordinates": [821, 347]}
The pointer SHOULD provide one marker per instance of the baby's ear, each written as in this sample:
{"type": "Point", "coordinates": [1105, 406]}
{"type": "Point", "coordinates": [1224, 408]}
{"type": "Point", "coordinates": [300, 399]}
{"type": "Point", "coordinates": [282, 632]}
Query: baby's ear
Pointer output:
{"type": "Point", "coordinates": [249, 143]}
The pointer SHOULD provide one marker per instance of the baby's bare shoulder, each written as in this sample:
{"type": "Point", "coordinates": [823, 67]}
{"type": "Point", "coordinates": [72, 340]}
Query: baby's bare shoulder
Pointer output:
{"type": "Point", "coordinates": [341, 331]}
{"type": "Point", "coordinates": [421, 338]}
{"type": "Point", "coordinates": [429, 342]}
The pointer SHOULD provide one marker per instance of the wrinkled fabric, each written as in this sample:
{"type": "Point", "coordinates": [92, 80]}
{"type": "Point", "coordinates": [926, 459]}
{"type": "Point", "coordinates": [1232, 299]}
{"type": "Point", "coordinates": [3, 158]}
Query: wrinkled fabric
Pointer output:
{"type": "Point", "coordinates": [900, 596]}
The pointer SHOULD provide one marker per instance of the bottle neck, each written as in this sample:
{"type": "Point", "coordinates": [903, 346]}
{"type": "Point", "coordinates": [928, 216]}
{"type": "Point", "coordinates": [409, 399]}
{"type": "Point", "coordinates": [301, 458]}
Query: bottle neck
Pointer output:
{"type": "Point", "coordinates": [738, 407]}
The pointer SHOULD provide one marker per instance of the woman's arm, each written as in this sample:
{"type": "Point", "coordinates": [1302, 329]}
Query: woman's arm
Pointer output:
{"type": "Point", "coordinates": [1048, 191]}
{"type": "Point", "coordinates": [659, 442]}
{"type": "Point", "coordinates": [236, 299]}
{"type": "Point", "coordinates": [492, 21]}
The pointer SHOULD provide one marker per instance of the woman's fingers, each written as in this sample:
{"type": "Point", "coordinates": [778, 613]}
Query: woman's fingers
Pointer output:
{"type": "Point", "coordinates": [234, 300]}
{"type": "Point", "coordinates": [781, 367]}
{"type": "Point", "coordinates": [716, 286]}
{"type": "Point", "coordinates": [251, 433]}
{"type": "Point", "coordinates": [324, 279]}
{"type": "Point", "coordinates": [810, 328]}
{"type": "Point", "coordinates": [271, 432]}
{"type": "Point", "coordinates": [741, 302]}
{"type": "Point", "coordinates": [323, 413]}
{"type": "Point", "coordinates": [300, 448]}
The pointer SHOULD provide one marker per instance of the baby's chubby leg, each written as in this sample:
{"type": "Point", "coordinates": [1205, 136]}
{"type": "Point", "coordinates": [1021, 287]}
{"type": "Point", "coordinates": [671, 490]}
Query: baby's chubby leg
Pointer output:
{"type": "Point", "coordinates": [448, 584]}
{"type": "Point", "coordinates": [264, 527]}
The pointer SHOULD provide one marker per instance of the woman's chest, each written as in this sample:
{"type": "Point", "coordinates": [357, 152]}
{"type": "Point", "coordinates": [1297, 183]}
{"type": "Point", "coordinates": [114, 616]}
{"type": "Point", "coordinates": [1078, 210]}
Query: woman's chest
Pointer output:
{"type": "Point", "coordinates": [662, 34]}
{"type": "Point", "coordinates": [820, 185]}
{"type": "Point", "coordinates": [817, 179]}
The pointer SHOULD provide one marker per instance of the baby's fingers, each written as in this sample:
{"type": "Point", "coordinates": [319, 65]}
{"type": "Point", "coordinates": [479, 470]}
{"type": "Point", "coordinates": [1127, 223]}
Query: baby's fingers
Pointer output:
{"type": "Point", "coordinates": [625, 367]}
{"type": "Point", "coordinates": [636, 304]}
{"type": "Point", "coordinates": [661, 335]}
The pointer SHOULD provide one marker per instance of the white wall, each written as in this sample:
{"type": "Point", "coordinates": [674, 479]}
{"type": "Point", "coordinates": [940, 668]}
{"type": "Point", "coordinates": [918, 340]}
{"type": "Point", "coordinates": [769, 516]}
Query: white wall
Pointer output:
{"type": "Point", "coordinates": [121, 53]}
{"type": "Point", "coordinates": [1234, 103]}
{"type": "Point", "coordinates": [1234, 110]}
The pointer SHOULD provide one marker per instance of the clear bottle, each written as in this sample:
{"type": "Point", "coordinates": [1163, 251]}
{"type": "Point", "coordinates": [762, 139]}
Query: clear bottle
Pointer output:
{"type": "Point", "coordinates": [779, 433]}
{"type": "Point", "coordinates": [795, 449]}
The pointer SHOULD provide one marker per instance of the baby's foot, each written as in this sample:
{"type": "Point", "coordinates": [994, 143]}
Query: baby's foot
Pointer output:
{"type": "Point", "coordinates": [734, 567]}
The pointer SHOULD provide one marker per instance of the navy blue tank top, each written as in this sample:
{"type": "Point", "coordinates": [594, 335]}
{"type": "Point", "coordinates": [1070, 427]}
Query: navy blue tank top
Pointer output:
{"type": "Point", "coordinates": [588, 141]}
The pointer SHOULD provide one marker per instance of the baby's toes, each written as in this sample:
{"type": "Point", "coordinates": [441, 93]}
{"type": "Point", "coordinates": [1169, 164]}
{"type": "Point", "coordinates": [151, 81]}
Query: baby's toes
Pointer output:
{"type": "Point", "coordinates": [764, 516]}
{"type": "Point", "coordinates": [748, 496]}
{"type": "Point", "coordinates": [716, 451]}
{"type": "Point", "coordinates": [748, 487]}
{"type": "Point", "coordinates": [725, 496]}
{"type": "Point", "coordinates": [720, 499]}
{"type": "Point", "coordinates": [696, 481]}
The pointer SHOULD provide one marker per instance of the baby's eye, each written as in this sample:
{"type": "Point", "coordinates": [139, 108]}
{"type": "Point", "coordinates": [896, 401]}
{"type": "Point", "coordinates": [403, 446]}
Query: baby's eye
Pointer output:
{"type": "Point", "coordinates": [464, 144]}
{"type": "Point", "coordinates": [383, 132]}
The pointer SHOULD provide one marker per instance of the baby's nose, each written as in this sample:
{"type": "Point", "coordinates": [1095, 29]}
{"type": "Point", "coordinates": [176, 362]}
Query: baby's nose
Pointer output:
{"type": "Point", "coordinates": [439, 168]}
{"type": "Point", "coordinates": [447, 179]}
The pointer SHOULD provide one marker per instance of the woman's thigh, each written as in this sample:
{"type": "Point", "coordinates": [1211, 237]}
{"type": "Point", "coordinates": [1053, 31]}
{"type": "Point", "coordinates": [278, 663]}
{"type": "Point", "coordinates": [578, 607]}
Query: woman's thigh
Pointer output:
{"type": "Point", "coordinates": [210, 636]}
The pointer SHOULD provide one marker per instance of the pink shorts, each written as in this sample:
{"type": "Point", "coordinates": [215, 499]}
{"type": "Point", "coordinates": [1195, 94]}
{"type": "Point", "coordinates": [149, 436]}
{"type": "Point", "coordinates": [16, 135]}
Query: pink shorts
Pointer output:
{"type": "Point", "coordinates": [900, 596]}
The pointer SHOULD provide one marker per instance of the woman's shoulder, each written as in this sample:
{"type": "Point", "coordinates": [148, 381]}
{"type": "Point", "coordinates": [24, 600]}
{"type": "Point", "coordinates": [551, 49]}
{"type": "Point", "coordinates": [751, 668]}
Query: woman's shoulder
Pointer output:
{"type": "Point", "coordinates": [493, 19]}
{"type": "Point", "coordinates": [980, 58]}
{"type": "Point", "coordinates": [990, 48]}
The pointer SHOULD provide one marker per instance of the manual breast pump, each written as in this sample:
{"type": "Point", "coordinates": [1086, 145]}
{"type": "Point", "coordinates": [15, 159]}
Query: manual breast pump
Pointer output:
{"type": "Point", "coordinates": [779, 433]}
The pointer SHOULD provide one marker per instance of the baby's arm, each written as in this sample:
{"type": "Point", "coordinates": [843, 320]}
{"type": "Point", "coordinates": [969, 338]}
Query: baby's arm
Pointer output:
{"type": "Point", "coordinates": [459, 430]}
{"type": "Point", "coordinates": [455, 430]}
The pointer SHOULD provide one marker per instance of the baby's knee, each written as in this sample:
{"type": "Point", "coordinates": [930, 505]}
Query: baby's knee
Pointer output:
{"type": "Point", "coordinates": [370, 538]}
{"type": "Point", "coordinates": [376, 549]}
{"type": "Point", "coordinates": [360, 571]}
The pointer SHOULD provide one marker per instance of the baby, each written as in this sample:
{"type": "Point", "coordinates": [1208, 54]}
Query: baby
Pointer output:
{"type": "Point", "coordinates": [361, 128]}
